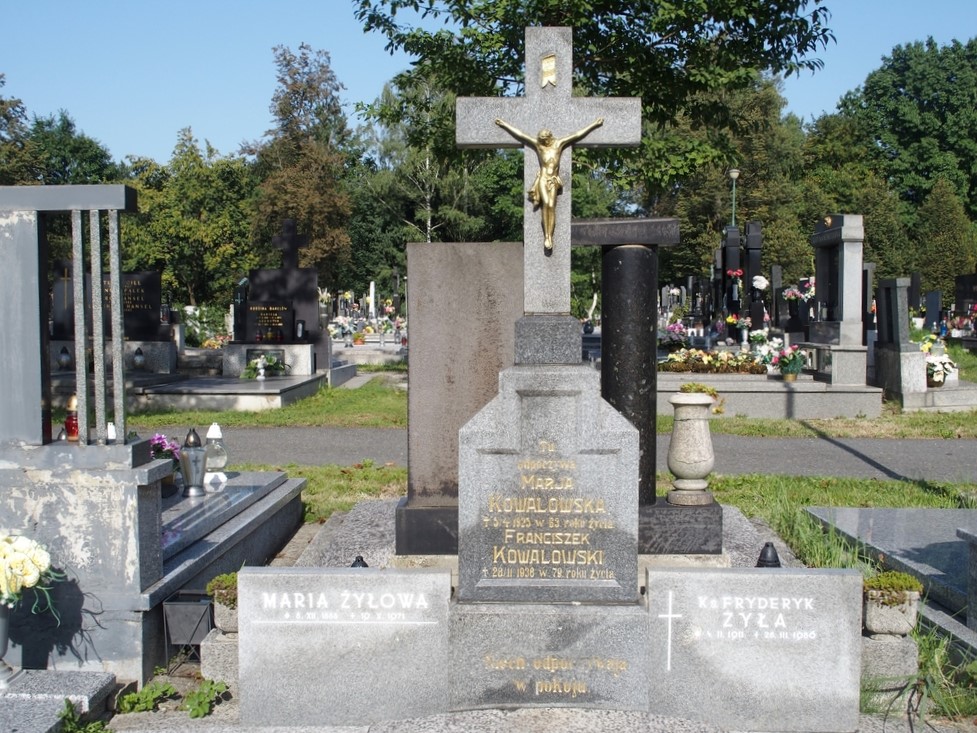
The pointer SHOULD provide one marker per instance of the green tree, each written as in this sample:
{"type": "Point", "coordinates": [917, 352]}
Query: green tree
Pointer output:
{"type": "Point", "coordinates": [301, 162]}
{"type": "Point", "coordinates": [62, 155]}
{"type": "Point", "coordinates": [194, 222]}
{"type": "Point", "coordinates": [14, 156]}
{"type": "Point", "coordinates": [945, 241]}
{"type": "Point", "coordinates": [669, 54]}
{"type": "Point", "coordinates": [918, 113]}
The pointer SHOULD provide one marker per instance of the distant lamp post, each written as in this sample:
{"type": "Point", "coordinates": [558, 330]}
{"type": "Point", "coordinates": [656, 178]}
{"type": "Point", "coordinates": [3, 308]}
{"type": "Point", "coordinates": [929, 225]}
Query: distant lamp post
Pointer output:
{"type": "Point", "coordinates": [734, 173]}
{"type": "Point", "coordinates": [64, 359]}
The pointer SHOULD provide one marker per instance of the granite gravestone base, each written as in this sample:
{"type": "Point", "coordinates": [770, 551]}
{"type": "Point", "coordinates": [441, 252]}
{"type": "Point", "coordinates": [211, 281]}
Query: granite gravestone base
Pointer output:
{"type": "Point", "coordinates": [533, 655]}
{"type": "Point", "coordinates": [764, 650]}
{"type": "Point", "coordinates": [548, 487]}
{"type": "Point", "coordinates": [760, 650]}
{"type": "Point", "coordinates": [341, 646]}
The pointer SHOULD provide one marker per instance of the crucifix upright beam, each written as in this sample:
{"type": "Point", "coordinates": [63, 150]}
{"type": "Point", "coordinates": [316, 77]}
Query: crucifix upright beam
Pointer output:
{"type": "Point", "coordinates": [549, 106]}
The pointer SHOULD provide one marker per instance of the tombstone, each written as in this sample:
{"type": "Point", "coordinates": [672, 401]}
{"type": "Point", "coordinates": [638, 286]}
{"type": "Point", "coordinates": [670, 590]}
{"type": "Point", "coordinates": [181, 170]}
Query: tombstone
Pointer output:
{"type": "Point", "coordinates": [900, 367]}
{"type": "Point", "coordinates": [754, 247]}
{"type": "Point", "coordinates": [965, 293]}
{"type": "Point", "coordinates": [456, 355]}
{"type": "Point", "coordinates": [778, 306]}
{"type": "Point", "coordinates": [838, 266]}
{"type": "Point", "coordinates": [96, 503]}
{"type": "Point", "coordinates": [915, 292]}
{"type": "Point", "coordinates": [239, 306]}
{"type": "Point", "coordinates": [731, 261]}
{"type": "Point", "coordinates": [869, 332]}
{"type": "Point", "coordinates": [277, 301]}
{"type": "Point", "coordinates": [548, 611]}
{"type": "Point", "coordinates": [934, 307]}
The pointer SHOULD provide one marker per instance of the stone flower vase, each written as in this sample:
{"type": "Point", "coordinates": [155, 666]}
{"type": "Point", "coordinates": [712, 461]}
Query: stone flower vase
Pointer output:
{"type": "Point", "coordinates": [225, 617]}
{"type": "Point", "coordinates": [890, 616]}
{"type": "Point", "coordinates": [690, 454]}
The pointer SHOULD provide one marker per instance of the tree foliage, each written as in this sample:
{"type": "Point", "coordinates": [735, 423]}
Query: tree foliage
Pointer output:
{"type": "Point", "coordinates": [669, 54]}
{"type": "Point", "coordinates": [59, 154]}
{"type": "Point", "coordinates": [14, 159]}
{"type": "Point", "coordinates": [945, 243]}
{"type": "Point", "coordinates": [301, 162]}
{"type": "Point", "coordinates": [917, 115]}
{"type": "Point", "coordinates": [194, 222]}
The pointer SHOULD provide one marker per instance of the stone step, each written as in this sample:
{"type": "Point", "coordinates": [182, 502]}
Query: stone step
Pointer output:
{"type": "Point", "coordinates": [34, 700]}
{"type": "Point", "coordinates": [954, 396]}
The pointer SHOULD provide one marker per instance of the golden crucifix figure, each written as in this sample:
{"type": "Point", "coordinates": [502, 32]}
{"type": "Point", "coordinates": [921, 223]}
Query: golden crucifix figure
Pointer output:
{"type": "Point", "coordinates": [548, 185]}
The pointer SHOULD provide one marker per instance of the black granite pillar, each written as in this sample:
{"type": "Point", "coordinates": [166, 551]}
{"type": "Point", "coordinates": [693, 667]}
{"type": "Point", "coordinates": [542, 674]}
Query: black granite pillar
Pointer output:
{"type": "Point", "coordinates": [629, 344]}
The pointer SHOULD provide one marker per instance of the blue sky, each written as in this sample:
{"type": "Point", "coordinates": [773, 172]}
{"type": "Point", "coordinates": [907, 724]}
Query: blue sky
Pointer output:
{"type": "Point", "coordinates": [132, 73]}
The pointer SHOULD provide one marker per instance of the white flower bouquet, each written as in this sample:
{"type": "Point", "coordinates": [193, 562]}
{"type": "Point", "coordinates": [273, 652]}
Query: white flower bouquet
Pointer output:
{"type": "Point", "coordinates": [25, 564]}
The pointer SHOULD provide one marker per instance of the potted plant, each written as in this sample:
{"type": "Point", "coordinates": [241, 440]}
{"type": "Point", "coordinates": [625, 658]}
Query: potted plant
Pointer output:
{"type": "Point", "coordinates": [891, 601]}
{"type": "Point", "coordinates": [264, 366]}
{"type": "Point", "coordinates": [223, 589]}
{"type": "Point", "coordinates": [938, 368]}
{"type": "Point", "coordinates": [790, 362]}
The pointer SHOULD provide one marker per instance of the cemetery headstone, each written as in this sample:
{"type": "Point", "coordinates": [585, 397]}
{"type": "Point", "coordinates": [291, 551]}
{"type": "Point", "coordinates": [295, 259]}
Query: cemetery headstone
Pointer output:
{"type": "Point", "coordinates": [278, 301]}
{"type": "Point", "coordinates": [965, 293]}
{"type": "Point", "coordinates": [754, 248]}
{"type": "Point", "coordinates": [915, 292]}
{"type": "Point", "coordinates": [751, 644]}
{"type": "Point", "coordinates": [900, 367]}
{"type": "Point", "coordinates": [547, 611]}
{"type": "Point", "coordinates": [731, 262]}
{"type": "Point", "coordinates": [837, 242]}
{"type": "Point", "coordinates": [538, 518]}
{"type": "Point", "coordinates": [934, 307]}
{"type": "Point", "coordinates": [141, 307]}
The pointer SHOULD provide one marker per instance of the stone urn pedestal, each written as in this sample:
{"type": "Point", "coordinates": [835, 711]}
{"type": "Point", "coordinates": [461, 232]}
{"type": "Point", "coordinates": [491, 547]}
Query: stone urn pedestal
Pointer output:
{"type": "Point", "coordinates": [690, 454]}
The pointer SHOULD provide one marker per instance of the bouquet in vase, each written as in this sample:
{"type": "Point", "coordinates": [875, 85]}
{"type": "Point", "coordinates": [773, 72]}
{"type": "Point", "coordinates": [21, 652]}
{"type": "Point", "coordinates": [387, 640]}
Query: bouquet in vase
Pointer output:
{"type": "Point", "coordinates": [25, 564]}
{"type": "Point", "coordinates": [790, 360]}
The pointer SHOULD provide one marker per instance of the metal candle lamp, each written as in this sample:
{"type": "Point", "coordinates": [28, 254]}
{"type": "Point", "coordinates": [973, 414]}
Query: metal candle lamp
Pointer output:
{"type": "Point", "coordinates": [193, 465]}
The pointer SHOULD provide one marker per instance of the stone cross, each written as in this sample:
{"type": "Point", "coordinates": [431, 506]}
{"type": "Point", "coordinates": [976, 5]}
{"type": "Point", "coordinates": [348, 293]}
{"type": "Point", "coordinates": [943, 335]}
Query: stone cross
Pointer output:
{"type": "Point", "coordinates": [549, 105]}
{"type": "Point", "coordinates": [290, 242]}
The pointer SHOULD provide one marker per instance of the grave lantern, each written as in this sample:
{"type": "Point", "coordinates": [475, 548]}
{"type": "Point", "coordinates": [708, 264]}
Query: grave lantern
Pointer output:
{"type": "Point", "coordinates": [193, 464]}
{"type": "Point", "coordinates": [64, 359]}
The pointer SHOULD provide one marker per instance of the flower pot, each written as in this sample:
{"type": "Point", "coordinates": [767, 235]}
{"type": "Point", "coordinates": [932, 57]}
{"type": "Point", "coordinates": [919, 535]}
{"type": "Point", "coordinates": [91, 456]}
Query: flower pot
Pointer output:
{"type": "Point", "coordinates": [934, 384]}
{"type": "Point", "coordinates": [690, 454]}
{"type": "Point", "coordinates": [789, 376]}
{"type": "Point", "coordinates": [225, 618]}
{"type": "Point", "coordinates": [883, 614]}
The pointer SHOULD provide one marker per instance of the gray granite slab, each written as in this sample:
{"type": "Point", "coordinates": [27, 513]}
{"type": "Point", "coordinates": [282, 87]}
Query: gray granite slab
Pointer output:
{"type": "Point", "coordinates": [342, 646]}
{"type": "Point", "coordinates": [548, 492]}
{"type": "Point", "coordinates": [922, 542]}
{"type": "Point", "coordinates": [527, 655]}
{"type": "Point", "coordinates": [186, 519]}
{"type": "Point", "coordinates": [758, 650]}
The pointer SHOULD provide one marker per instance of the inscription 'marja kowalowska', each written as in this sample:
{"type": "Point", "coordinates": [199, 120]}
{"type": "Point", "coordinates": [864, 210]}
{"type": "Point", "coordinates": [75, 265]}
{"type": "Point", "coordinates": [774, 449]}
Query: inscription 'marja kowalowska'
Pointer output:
{"type": "Point", "coordinates": [541, 505]}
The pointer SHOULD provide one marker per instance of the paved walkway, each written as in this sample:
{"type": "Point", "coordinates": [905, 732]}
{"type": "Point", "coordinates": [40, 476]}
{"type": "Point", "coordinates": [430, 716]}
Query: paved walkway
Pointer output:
{"type": "Point", "coordinates": [933, 460]}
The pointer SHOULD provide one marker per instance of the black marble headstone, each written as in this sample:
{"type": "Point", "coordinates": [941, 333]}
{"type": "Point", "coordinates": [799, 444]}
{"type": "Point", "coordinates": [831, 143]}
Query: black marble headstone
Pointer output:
{"type": "Point", "coordinates": [141, 303]}
{"type": "Point", "coordinates": [270, 321]}
{"type": "Point", "coordinates": [965, 293]}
